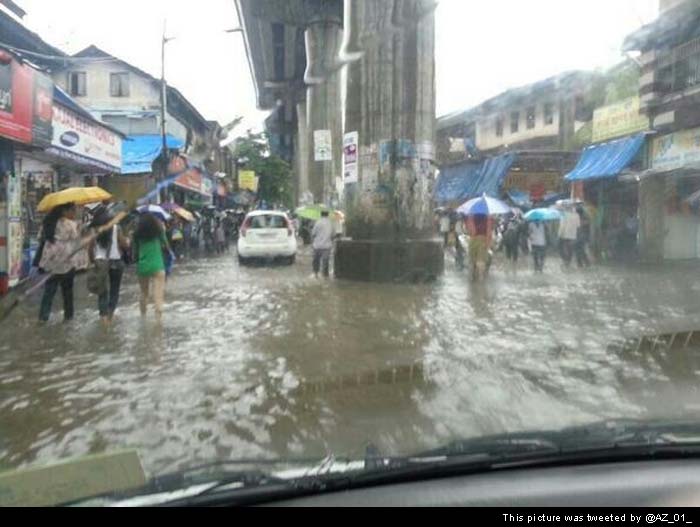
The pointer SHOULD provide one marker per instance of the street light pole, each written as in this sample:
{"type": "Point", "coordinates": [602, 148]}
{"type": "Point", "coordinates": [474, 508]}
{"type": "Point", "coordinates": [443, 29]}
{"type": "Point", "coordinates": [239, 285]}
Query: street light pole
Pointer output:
{"type": "Point", "coordinates": [163, 113]}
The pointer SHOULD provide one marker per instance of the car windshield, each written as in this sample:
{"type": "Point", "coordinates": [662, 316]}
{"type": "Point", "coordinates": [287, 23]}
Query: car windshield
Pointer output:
{"type": "Point", "coordinates": [488, 220]}
{"type": "Point", "coordinates": [269, 221]}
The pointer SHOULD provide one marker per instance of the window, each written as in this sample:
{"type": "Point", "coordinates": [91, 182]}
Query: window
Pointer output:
{"type": "Point", "coordinates": [530, 117]}
{"type": "Point", "coordinates": [548, 114]}
{"type": "Point", "coordinates": [77, 83]}
{"type": "Point", "coordinates": [499, 126]}
{"type": "Point", "coordinates": [119, 84]}
{"type": "Point", "coordinates": [514, 122]}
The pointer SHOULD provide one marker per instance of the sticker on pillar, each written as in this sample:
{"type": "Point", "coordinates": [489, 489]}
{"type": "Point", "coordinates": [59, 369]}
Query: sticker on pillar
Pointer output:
{"type": "Point", "coordinates": [323, 145]}
{"type": "Point", "coordinates": [350, 157]}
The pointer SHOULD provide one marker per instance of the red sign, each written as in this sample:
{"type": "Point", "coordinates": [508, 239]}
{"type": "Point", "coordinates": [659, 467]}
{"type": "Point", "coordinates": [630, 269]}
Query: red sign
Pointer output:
{"type": "Point", "coordinates": [190, 180]}
{"type": "Point", "coordinates": [26, 102]}
{"type": "Point", "coordinates": [16, 98]}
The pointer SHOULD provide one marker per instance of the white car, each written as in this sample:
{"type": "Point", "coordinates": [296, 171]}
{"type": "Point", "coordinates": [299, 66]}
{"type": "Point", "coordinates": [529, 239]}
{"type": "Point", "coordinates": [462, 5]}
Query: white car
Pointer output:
{"type": "Point", "coordinates": [267, 234]}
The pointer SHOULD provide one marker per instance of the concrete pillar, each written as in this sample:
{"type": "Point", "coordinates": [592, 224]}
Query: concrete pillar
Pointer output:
{"type": "Point", "coordinates": [652, 213]}
{"type": "Point", "coordinates": [390, 102]}
{"type": "Point", "coordinates": [302, 153]}
{"type": "Point", "coordinates": [323, 107]}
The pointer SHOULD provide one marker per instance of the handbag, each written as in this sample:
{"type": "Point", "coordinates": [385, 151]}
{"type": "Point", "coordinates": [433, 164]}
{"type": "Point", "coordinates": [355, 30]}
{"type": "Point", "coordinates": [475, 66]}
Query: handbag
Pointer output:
{"type": "Point", "coordinates": [98, 277]}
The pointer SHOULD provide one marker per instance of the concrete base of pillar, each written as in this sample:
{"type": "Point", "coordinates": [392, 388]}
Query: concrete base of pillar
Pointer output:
{"type": "Point", "coordinates": [413, 261]}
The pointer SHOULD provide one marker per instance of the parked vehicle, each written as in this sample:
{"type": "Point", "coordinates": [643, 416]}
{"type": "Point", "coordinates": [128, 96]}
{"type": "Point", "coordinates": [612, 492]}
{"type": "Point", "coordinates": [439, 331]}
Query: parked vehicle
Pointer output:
{"type": "Point", "coordinates": [267, 235]}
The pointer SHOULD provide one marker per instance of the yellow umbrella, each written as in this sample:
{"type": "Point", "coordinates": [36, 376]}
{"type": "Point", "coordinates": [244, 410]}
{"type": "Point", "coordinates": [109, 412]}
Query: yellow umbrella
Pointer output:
{"type": "Point", "coordinates": [184, 214]}
{"type": "Point", "coordinates": [77, 195]}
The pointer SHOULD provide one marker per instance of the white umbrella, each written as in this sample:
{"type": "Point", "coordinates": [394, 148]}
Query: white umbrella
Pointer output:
{"type": "Point", "coordinates": [156, 210]}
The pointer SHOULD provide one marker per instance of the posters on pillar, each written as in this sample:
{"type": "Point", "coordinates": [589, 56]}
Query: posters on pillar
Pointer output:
{"type": "Point", "coordinates": [350, 157]}
{"type": "Point", "coordinates": [14, 229]}
{"type": "Point", "coordinates": [323, 146]}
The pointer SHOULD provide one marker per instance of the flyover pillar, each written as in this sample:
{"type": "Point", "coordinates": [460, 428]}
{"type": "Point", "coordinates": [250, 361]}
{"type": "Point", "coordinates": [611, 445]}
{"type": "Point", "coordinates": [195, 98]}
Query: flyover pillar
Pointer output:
{"type": "Point", "coordinates": [324, 107]}
{"type": "Point", "coordinates": [389, 49]}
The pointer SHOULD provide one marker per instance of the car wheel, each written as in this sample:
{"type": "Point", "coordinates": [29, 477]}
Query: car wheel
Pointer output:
{"type": "Point", "coordinates": [291, 260]}
{"type": "Point", "coordinates": [242, 261]}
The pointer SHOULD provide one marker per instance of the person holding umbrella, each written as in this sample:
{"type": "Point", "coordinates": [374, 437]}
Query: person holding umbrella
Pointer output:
{"type": "Point", "coordinates": [149, 244]}
{"type": "Point", "coordinates": [538, 235]}
{"type": "Point", "coordinates": [479, 213]}
{"type": "Point", "coordinates": [60, 237]}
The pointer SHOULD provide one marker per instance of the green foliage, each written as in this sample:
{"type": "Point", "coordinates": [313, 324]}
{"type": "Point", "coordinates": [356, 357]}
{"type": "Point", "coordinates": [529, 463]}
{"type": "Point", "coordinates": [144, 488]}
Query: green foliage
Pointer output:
{"type": "Point", "coordinates": [623, 83]}
{"type": "Point", "coordinates": [275, 174]}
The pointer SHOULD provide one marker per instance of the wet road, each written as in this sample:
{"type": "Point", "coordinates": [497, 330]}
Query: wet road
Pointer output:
{"type": "Point", "coordinates": [268, 362]}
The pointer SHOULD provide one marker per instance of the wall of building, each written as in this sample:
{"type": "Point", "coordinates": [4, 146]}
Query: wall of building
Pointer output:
{"type": "Point", "coordinates": [143, 95]}
{"type": "Point", "coordinates": [487, 138]}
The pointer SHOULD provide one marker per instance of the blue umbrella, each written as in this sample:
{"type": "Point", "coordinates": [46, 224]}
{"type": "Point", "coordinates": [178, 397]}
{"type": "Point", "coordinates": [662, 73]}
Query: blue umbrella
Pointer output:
{"type": "Point", "coordinates": [543, 215]}
{"type": "Point", "coordinates": [484, 206]}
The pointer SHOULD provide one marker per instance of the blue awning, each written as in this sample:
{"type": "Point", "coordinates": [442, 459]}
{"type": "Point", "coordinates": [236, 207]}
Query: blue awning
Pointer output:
{"type": "Point", "coordinates": [455, 182]}
{"type": "Point", "coordinates": [139, 152]}
{"type": "Point", "coordinates": [606, 160]}
{"type": "Point", "coordinates": [468, 180]}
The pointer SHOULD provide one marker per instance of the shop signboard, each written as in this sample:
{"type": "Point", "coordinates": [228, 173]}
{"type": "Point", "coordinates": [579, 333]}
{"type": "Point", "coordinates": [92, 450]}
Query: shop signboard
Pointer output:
{"type": "Point", "coordinates": [16, 91]}
{"type": "Point", "coordinates": [247, 180]}
{"type": "Point", "coordinates": [42, 112]}
{"type": "Point", "coordinates": [191, 180]}
{"type": "Point", "coordinates": [676, 150]}
{"type": "Point", "coordinates": [619, 119]}
{"type": "Point", "coordinates": [26, 98]}
{"type": "Point", "coordinates": [84, 141]}
{"type": "Point", "coordinates": [350, 157]}
{"type": "Point", "coordinates": [207, 188]}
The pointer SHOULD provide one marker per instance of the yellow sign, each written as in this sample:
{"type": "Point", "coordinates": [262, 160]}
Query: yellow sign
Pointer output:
{"type": "Point", "coordinates": [618, 119]}
{"type": "Point", "coordinates": [247, 180]}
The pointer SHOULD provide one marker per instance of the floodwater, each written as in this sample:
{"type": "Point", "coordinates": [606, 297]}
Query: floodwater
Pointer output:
{"type": "Point", "coordinates": [269, 362]}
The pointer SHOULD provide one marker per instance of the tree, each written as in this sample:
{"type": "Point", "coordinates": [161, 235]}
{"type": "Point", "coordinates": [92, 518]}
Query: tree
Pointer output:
{"type": "Point", "coordinates": [274, 172]}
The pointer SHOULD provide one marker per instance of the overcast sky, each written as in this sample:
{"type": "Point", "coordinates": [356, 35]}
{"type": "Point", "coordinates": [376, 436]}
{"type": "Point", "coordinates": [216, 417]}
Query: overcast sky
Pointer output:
{"type": "Point", "coordinates": [483, 46]}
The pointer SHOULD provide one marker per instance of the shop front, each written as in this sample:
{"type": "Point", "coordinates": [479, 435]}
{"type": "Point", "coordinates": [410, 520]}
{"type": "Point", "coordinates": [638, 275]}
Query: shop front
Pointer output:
{"type": "Point", "coordinates": [606, 180]}
{"type": "Point", "coordinates": [192, 188]}
{"type": "Point", "coordinates": [26, 99]}
{"type": "Point", "coordinates": [671, 211]}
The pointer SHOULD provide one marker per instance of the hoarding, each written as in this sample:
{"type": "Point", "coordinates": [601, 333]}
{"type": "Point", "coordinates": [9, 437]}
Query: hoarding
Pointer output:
{"type": "Point", "coordinates": [247, 180]}
{"type": "Point", "coordinates": [350, 157]}
{"type": "Point", "coordinates": [84, 141]}
{"type": "Point", "coordinates": [618, 120]}
{"type": "Point", "coordinates": [676, 150]}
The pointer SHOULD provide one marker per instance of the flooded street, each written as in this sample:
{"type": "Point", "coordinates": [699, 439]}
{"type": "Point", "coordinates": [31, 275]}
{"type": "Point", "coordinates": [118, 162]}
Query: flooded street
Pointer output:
{"type": "Point", "coordinates": [269, 362]}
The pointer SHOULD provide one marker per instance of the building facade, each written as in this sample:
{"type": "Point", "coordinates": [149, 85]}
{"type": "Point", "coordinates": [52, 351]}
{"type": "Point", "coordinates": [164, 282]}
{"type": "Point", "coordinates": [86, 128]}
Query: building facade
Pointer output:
{"type": "Point", "coordinates": [669, 91]}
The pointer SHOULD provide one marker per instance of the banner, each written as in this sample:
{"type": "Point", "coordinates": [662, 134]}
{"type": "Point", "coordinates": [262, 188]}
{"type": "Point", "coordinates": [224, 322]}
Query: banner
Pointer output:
{"type": "Point", "coordinates": [191, 180]}
{"type": "Point", "coordinates": [16, 100]}
{"type": "Point", "coordinates": [617, 120]}
{"type": "Point", "coordinates": [350, 157]}
{"type": "Point", "coordinates": [247, 180]}
{"type": "Point", "coordinates": [42, 113]}
{"type": "Point", "coordinates": [323, 147]}
{"type": "Point", "coordinates": [85, 141]}
{"type": "Point", "coordinates": [676, 150]}
{"type": "Point", "coordinates": [15, 238]}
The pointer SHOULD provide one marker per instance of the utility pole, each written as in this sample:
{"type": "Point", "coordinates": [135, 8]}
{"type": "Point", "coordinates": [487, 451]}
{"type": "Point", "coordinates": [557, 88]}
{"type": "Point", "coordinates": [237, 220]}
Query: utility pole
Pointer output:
{"type": "Point", "coordinates": [163, 111]}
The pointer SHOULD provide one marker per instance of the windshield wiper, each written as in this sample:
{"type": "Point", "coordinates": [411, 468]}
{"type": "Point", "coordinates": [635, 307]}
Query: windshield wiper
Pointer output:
{"type": "Point", "coordinates": [604, 442]}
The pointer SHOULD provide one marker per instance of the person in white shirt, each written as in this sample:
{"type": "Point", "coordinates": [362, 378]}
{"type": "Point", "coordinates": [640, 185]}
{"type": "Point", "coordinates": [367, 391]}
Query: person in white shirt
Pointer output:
{"type": "Point", "coordinates": [538, 242]}
{"type": "Point", "coordinates": [322, 243]}
{"type": "Point", "coordinates": [445, 227]}
{"type": "Point", "coordinates": [568, 231]}
{"type": "Point", "coordinates": [107, 250]}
